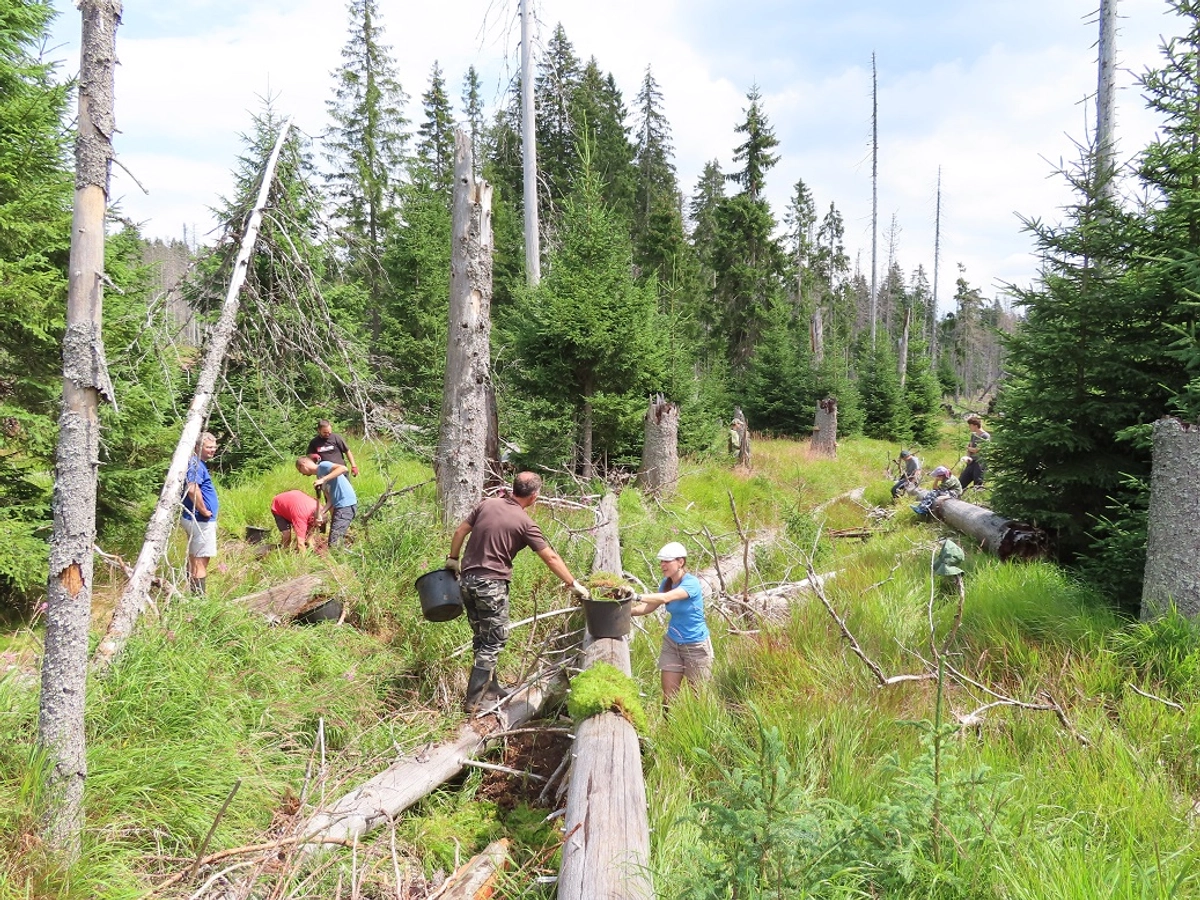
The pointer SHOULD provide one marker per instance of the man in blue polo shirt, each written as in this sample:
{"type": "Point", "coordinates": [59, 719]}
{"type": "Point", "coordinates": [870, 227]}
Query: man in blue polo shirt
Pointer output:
{"type": "Point", "coordinates": [199, 517]}
{"type": "Point", "coordinates": [337, 496]}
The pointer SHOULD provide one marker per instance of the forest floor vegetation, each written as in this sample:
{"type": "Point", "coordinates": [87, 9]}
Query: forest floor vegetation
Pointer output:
{"type": "Point", "coordinates": [792, 773]}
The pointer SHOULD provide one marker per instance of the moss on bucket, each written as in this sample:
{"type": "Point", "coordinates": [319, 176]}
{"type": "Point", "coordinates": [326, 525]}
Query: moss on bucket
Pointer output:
{"type": "Point", "coordinates": [609, 587]}
{"type": "Point", "coordinates": [604, 688]}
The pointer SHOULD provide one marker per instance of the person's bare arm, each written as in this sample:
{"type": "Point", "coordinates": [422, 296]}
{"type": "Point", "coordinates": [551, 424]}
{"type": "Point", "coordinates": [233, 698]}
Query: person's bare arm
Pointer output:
{"type": "Point", "coordinates": [556, 565]}
{"type": "Point", "coordinates": [332, 475]}
{"type": "Point", "coordinates": [648, 603]}
{"type": "Point", "coordinates": [456, 542]}
{"type": "Point", "coordinates": [353, 464]}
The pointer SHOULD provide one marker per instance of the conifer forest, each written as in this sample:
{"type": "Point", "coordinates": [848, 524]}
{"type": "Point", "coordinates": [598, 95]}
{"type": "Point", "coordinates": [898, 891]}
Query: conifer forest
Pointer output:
{"type": "Point", "coordinates": [879, 721]}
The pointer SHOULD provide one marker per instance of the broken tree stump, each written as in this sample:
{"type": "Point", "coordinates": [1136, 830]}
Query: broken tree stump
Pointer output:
{"type": "Point", "coordinates": [1173, 528]}
{"type": "Point", "coordinates": [659, 472]}
{"type": "Point", "coordinates": [824, 437]}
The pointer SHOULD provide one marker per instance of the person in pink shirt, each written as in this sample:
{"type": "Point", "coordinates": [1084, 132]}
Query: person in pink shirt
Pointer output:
{"type": "Point", "coordinates": [295, 513]}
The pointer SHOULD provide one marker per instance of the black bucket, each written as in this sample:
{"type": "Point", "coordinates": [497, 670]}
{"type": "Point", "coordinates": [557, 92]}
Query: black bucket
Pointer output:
{"type": "Point", "coordinates": [608, 618]}
{"type": "Point", "coordinates": [441, 599]}
{"type": "Point", "coordinates": [329, 611]}
{"type": "Point", "coordinates": [256, 535]}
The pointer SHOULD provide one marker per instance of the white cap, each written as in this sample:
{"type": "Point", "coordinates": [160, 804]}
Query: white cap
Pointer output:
{"type": "Point", "coordinates": [673, 550]}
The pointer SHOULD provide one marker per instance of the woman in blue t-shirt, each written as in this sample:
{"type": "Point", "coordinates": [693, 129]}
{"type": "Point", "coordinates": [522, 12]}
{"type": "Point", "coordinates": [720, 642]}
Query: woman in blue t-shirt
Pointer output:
{"type": "Point", "coordinates": [686, 649]}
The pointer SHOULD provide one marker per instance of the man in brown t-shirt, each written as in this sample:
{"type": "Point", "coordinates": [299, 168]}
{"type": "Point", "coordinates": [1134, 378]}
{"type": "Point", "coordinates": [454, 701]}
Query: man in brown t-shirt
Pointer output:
{"type": "Point", "coordinates": [500, 527]}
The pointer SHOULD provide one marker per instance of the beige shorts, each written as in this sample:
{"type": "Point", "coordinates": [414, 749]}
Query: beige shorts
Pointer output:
{"type": "Point", "coordinates": [694, 661]}
{"type": "Point", "coordinates": [202, 538]}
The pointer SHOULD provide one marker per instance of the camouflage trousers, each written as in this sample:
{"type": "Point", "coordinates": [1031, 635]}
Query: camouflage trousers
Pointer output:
{"type": "Point", "coordinates": [486, 603]}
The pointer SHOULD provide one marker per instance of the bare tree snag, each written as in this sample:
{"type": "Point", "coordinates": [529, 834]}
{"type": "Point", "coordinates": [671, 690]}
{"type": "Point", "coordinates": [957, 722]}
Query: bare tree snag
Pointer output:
{"type": "Point", "coordinates": [1173, 533]}
{"type": "Point", "coordinates": [1006, 538]}
{"type": "Point", "coordinates": [606, 848]}
{"type": "Point", "coordinates": [816, 336]}
{"type": "Point", "coordinates": [529, 166]}
{"type": "Point", "coordinates": [85, 382]}
{"type": "Point", "coordinates": [743, 431]}
{"type": "Point", "coordinates": [162, 520]}
{"type": "Point", "coordinates": [902, 351]}
{"type": "Point", "coordinates": [659, 473]}
{"type": "Point", "coordinates": [461, 463]}
{"type": "Point", "coordinates": [824, 438]}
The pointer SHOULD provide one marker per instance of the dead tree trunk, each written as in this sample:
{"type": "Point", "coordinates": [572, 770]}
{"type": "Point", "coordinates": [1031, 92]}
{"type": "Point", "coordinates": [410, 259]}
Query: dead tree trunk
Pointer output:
{"type": "Point", "coordinates": [816, 336]}
{"type": "Point", "coordinates": [413, 778]}
{"type": "Point", "coordinates": [1173, 534]}
{"type": "Point", "coordinates": [743, 431]}
{"type": "Point", "coordinates": [994, 533]}
{"type": "Point", "coordinates": [606, 851]}
{"type": "Point", "coordinates": [902, 352]}
{"type": "Point", "coordinates": [824, 438]}
{"type": "Point", "coordinates": [288, 600]}
{"type": "Point", "coordinates": [659, 473]}
{"type": "Point", "coordinates": [85, 382]}
{"type": "Point", "coordinates": [529, 166]}
{"type": "Point", "coordinates": [133, 598]}
{"type": "Point", "coordinates": [466, 402]}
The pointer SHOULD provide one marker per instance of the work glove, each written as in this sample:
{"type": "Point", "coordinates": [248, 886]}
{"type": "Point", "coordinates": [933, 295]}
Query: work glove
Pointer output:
{"type": "Point", "coordinates": [452, 564]}
{"type": "Point", "coordinates": [354, 471]}
{"type": "Point", "coordinates": [580, 591]}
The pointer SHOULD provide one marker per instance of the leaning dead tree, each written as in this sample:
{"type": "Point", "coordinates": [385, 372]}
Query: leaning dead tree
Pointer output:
{"type": "Point", "coordinates": [824, 437]}
{"type": "Point", "coordinates": [606, 848]}
{"type": "Point", "coordinates": [162, 520]}
{"type": "Point", "coordinates": [1006, 538]}
{"type": "Point", "coordinates": [85, 382]}
{"type": "Point", "coordinates": [466, 407]}
{"type": "Point", "coordinates": [659, 472]}
{"type": "Point", "coordinates": [1173, 533]}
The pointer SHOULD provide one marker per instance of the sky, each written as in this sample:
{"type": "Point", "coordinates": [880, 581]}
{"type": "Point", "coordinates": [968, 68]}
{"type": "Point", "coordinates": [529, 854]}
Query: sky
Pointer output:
{"type": "Point", "coordinates": [994, 94]}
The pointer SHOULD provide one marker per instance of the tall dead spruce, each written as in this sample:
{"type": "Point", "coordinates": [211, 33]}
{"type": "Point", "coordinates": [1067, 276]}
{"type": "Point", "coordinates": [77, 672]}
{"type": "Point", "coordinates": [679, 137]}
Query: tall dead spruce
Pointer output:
{"type": "Point", "coordinates": [85, 382]}
{"type": "Point", "coordinates": [466, 408]}
{"type": "Point", "coordinates": [158, 532]}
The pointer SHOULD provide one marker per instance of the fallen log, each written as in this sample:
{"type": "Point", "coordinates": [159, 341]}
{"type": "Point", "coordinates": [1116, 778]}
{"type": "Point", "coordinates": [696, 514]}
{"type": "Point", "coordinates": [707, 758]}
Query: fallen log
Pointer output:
{"type": "Point", "coordinates": [778, 600]}
{"type": "Point", "coordinates": [289, 600]}
{"type": "Point", "coordinates": [606, 848]}
{"type": "Point", "coordinates": [412, 778]}
{"type": "Point", "coordinates": [476, 880]}
{"type": "Point", "coordinates": [1006, 538]}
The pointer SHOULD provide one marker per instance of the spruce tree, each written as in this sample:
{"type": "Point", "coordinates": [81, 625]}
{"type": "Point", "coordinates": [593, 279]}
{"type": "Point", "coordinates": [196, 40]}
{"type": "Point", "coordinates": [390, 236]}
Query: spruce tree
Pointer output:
{"type": "Point", "coordinates": [589, 338]}
{"type": "Point", "coordinates": [35, 220]}
{"type": "Point", "coordinates": [365, 148]}
{"type": "Point", "coordinates": [558, 140]}
{"type": "Point", "coordinates": [435, 137]}
{"type": "Point", "coordinates": [472, 104]}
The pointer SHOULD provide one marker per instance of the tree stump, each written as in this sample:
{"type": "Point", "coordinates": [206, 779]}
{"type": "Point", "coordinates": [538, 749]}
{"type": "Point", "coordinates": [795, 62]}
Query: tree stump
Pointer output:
{"type": "Point", "coordinates": [824, 438]}
{"type": "Point", "coordinates": [1173, 532]}
{"type": "Point", "coordinates": [659, 472]}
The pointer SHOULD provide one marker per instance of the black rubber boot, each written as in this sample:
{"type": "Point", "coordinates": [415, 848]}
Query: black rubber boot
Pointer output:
{"type": "Point", "coordinates": [495, 691]}
{"type": "Point", "coordinates": [477, 686]}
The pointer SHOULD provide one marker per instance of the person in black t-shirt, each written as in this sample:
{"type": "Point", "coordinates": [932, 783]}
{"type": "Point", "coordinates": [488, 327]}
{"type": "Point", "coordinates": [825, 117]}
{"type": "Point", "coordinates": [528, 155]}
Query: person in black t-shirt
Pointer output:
{"type": "Point", "coordinates": [331, 447]}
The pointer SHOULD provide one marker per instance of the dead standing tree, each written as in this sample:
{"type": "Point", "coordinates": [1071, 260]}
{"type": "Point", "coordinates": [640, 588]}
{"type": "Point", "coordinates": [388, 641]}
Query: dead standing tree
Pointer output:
{"type": "Point", "coordinates": [824, 438]}
{"type": "Point", "coordinates": [659, 472]}
{"type": "Point", "coordinates": [466, 401]}
{"type": "Point", "coordinates": [1173, 532]}
{"type": "Point", "coordinates": [85, 381]}
{"type": "Point", "coordinates": [133, 599]}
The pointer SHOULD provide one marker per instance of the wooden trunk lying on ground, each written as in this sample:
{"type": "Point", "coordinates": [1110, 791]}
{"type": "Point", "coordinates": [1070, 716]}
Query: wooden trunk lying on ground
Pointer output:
{"type": "Point", "coordinates": [1004, 537]}
{"type": "Point", "coordinates": [606, 848]}
{"type": "Point", "coordinates": [477, 878]}
{"type": "Point", "coordinates": [413, 778]}
{"type": "Point", "coordinates": [1173, 528]}
{"type": "Point", "coordinates": [288, 600]}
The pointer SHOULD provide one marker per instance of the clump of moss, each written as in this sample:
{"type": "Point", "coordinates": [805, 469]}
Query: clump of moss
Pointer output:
{"type": "Point", "coordinates": [604, 688]}
{"type": "Point", "coordinates": [610, 587]}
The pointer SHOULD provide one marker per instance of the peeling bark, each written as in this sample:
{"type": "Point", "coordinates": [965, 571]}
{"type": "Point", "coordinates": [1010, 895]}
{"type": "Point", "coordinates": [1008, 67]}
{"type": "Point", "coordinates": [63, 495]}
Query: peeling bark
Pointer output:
{"type": "Point", "coordinates": [467, 402]}
{"type": "Point", "coordinates": [85, 384]}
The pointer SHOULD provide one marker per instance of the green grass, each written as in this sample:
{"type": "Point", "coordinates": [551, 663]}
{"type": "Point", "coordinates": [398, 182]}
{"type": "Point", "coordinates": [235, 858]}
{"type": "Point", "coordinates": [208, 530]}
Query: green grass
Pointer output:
{"type": "Point", "coordinates": [207, 695]}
